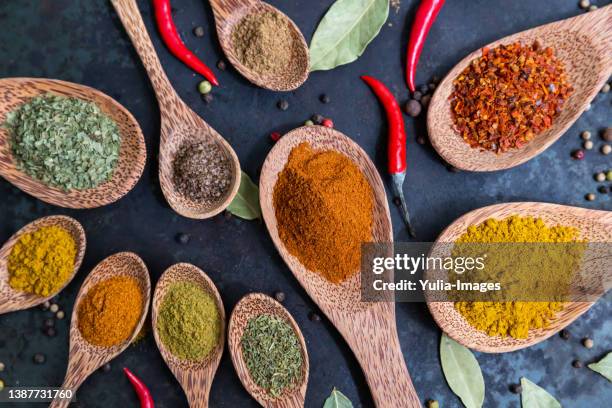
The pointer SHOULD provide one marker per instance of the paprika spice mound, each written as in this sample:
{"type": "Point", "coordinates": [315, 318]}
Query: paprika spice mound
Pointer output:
{"type": "Point", "coordinates": [323, 205]}
{"type": "Point", "coordinates": [41, 261]}
{"type": "Point", "coordinates": [110, 311]}
{"type": "Point", "coordinates": [509, 95]}
{"type": "Point", "coordinates": [516, 318]}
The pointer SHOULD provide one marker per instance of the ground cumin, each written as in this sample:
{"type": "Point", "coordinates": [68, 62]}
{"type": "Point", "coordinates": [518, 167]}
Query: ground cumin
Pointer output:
{"type": "Point", "coordinates": [323, 206]}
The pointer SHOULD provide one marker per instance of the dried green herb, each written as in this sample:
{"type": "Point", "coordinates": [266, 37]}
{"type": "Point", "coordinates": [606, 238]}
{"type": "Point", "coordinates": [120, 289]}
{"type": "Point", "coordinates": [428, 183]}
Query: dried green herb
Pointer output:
{"type": "Point", "coordinates": [272, 353]}
{"type": "Point", "coordinates": [64, 142]}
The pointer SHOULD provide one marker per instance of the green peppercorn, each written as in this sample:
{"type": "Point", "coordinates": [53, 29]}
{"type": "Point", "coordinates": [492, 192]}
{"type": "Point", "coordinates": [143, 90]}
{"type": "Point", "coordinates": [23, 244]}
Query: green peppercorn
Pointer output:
{"type": "Point", "coordinates": [433, 404]}
{"type": "Point", "coordinates": [609, 175]}
{"type": "Point", "coordinates": [1, 385]}
{"type": "Point", "coordinates": [308, 123]}
{"type": "Point", "coordinates": [204, 87]}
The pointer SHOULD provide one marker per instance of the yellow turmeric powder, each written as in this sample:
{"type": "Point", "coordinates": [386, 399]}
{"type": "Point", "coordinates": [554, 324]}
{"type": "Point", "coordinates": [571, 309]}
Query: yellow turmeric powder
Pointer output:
{"type": "Point", "coordinates": [42, 261]}
{"type": "Point", "coordinates": [516, 318]}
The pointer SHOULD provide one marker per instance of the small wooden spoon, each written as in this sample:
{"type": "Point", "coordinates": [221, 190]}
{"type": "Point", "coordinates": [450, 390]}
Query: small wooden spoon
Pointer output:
{"type": "Point", "coordinates": [83, 357]}
{"type": "Point", "coordinates": [368, 327]}
{"type": "Point", "coordinates": [179, 124]}
{"type": "Point", "coordinates": [132, 156]}
{"type": "Point", "coordinates": [195, 377]}
{"type": "Point", "coordinates": [595, 226]}
{"type": "Point", "coordinates": [229, 13]}
{"type": "Point", "coordinates": [251, 306]}
{"type": "Point", "coordinates": [12, 300]}
{"type": "Point", "coordinates": [583, 44]}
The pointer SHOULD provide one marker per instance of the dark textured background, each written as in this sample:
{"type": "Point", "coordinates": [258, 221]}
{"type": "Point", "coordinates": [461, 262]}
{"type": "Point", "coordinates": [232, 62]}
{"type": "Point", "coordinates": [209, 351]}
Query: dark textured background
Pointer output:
{"type": "Point", "coordinates": [82, 41]}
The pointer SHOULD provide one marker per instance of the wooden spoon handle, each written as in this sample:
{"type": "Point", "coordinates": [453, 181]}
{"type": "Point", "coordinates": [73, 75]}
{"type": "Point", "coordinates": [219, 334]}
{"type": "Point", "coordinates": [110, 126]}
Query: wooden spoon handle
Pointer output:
{"type": "Point", "coordinates": [197, 388]}
{"type": "Point", "coordinates": [373, 338]}
{"type": "Point", "coordinates": [74, 379]}
{"type": "Point", "coordinates": [223, 9]}
{"type": "Point", "coordinates": [134, 25]}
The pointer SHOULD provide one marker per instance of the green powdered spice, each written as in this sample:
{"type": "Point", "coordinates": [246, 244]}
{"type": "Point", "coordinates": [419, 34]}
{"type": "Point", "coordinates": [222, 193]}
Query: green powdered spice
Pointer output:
{"type": "Point", "coordinates": [272, 353]}
{"type": "Point", "coordinates": [64, 142]}
{"type": "Point", "coordinates": [188, 322]}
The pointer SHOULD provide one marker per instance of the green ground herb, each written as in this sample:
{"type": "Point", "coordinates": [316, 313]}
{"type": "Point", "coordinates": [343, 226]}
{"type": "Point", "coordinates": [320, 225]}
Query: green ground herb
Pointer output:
{"type": "Point", "coordinates": [272, 353]}
{"type": "Point", "coordinates": [188, 322]}
{"type": "Point", "coordinates": [64, 142]}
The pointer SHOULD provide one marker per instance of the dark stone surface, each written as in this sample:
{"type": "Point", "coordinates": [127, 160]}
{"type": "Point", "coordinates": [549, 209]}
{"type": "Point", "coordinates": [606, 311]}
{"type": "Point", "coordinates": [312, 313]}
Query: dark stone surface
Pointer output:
{"type": "Point", "coordinates": [82, 41]}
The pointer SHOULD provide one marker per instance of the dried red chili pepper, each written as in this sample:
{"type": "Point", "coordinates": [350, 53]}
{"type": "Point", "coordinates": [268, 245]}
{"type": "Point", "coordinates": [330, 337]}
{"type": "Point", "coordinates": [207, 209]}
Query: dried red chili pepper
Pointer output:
{"type": "Point", "coordinates": [503, 99]}
{"type": "Point", "coordinates": [144, 395]}
{"type": "Point", "coordinates": [423, 20]}
{"type": "Point", "coordinates": [396, 147]}
{"type": "Point", "coordinates": [167, 29]}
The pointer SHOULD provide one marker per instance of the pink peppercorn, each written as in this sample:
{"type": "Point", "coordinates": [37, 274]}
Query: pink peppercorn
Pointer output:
{"type": "Point", "coordinates": [578, 154]}
{"type": "Point", "coordinates": [328, 123]}
{"type": "Point", "coordinates": [275, 136]}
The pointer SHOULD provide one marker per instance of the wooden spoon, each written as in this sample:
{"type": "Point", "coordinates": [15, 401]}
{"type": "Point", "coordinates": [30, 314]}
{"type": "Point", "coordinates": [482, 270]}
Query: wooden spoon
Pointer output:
{"type": "Point", "coordinates": [83, 357]}
{"type": "Point", "coordinates": [11, 299]}
{"type": "Point", "coordinates": [249, 307]}
{"type": "Point", "coordinates": [179, 124]}
{"type": "Point", "coordinates": [132, 155]}
{"type": "Point", "coordinates": [595, 226]}
{"type": "Point", "coordinates": [195, 377]}
{"type": "Point", "coordinates": [368, 327]}
{"type": "Point", "coordinates": [229, 13]}
{"type": "Point", "coordinates": [583, 44]}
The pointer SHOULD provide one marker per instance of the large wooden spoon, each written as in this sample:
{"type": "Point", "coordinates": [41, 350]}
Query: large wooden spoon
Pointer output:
{"type": "Point", "coordinates": [229, 13]}
{"type": "Point", "coordinates": [11, 299]}
{"type": "Point", "coordinates": [249, 307]}
{"type": "Point", "coordinates": [595, 226]}
{"type": "Point", "coordinates": [83, 357]}
{"type": "Point", "coordinates": [583, 44]}
{"type": "Point", "coordinates": [132, 155]}
{"type": "Point", "coordinates": [368, 328]}
{"type": "Point", "coordinates": [179, 124]}
{"type": "Point", "coordinates": [195, 377]}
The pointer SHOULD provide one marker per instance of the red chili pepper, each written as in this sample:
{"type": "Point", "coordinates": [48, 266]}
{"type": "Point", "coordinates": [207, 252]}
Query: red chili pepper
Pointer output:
{"type": "Point", "coordinates": [144, 395]}
{"type": "Point", "coordinates": [423, 20]}
{"type": "Point", "coordinates": [396, 148]}
{"type": "Point", "coordinates": [167, 29]}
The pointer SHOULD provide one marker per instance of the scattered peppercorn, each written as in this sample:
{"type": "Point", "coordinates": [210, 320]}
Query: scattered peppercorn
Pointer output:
{"type": "Point", "coordinates": [60, 315]}
{"type": "Point", "coordinates": [588, 107]}
{"type": "Point", "coordinates": [607, 134]}
{"type": "Point", "coordinates": [586, 135]}
{"type": "Point", "coordinates": [609, 175]}
{"type": "Point", "coordinates": [1, 385]}
{"type": "Point", "coordinates": [327, 123]}
{"type": "Point", "coordinates": [317, 119]}
{"type": "Point", "coordinates": [54, 308]}
{"type": "Point", "coordinates": [565, 334]}
{"type": "Point", "coordinates": [588, 145]}
{"type": "Point", "coordinates": [516, 388]}
{"type": "Point", "coordinates": [45, 305]}
{"type": "Point", "coordinates": [227, 214]}
{"type": "Point", "coordinates": [606, 149]}
{"type": "Point", "coordinates": [588, 342]}
{"type": "Point", "coordinates": [275, 136]}
{"type": "Point", "coordinates": [413, 108]}
{"type": "Point", "coordinates": [397, 201]}
{"type": "Point", "coordinates": [49, 323]}
{"type": "Point", "coordinates": [182, 238]}
{"type": "Point", "coordinates": [425, 100]}
{"type": "Point", "coordinates": [324, 98]}
{"type": "Point", "coordinates": [432, 86]}
{"type": "Point", "coordinates": [420, 140]}
{"type": "Point", "coordinates": [584, 4]}
{"type": "Point", "coordinates": [424, 89]}
{"type": "Point", "coordinates": [39, 358]}
{"type": "Point", "coordinates": [433, 404]}
{"type": "Point", "coordinates": [207, 98]}
{"type": "Point", "coordinates": [592, 7]}
{"type": "Point", "coordinates": [2, 366]}
{"type": "Point", "coordinates": [308, 123]}
{"type": "Point", "coordinates": [204, 87]}
{"type": "Point", "coordinates": [590, 197]}
{"type": "Point", "coordinates": [198, 31]}
{"type": "Point", "coordinates": [314, 317]}
{"type": "Point", "coordinates": [577, 364]}
{"type": "Point", "coordinates": [600, 177]}
{"type": "Point", "coordinates": [282, 105]}
{"type": "Point", "coordinates": [279, 296]}
{"type": "Point", "coordinates": [605, 88]}
{"type": "Point", "coordinates": [221, 65]}
{"type": "Point", "coordinates": [603, 189]}
{"type": "Point", "coordinates": [50, 331]}
{"type": "Point", "coordinates": [417, 95]}
{"type": "Point", "coordinates": [578, 154]}
{"type": "Point", "coordinates": [106, 367]}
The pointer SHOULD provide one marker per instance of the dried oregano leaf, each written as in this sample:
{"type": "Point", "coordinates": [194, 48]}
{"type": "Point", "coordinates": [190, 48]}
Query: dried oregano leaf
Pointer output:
{"type": "Point", "coordinates": [64, 142]}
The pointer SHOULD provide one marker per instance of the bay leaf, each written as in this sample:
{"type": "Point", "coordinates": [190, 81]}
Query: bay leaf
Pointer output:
{"type": "Point", "coordinates": [534, 396]}
{"type": "Point", "coordinates": [462, 372]}
{"type": "Point", "coordinates": [337, 400]}
{"type": "Point", "coordinates": [345, 31]}
{"type": "Point", "coordinates": [603, 366]}
{"type": "Point", "coordinates": [246, 203]}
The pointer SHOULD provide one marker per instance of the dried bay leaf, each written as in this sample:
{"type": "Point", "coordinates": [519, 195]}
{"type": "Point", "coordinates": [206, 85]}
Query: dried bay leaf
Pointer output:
{"type": "Point", "coordinates": [337, 400]}
{"type": "Point", "coordinates": [246, 203]}
{"type": "Point", "coordinates": [345, 31]}
{"type": "Point", "coordinates": [534, 396]}
{"type": "Point", "coordinates": [462, 372]}
{"type": "Point", "coordinates": [603, 366]}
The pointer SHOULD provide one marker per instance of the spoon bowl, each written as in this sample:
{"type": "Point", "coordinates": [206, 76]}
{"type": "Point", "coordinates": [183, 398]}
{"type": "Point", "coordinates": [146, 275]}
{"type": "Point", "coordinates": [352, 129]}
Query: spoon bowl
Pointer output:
{"type": "Point", "coordinates": [249, 307]}
{"type": "Point", "coordinates": [132, 155]}
{"type": "Point", "coordinates": [229, 13]}
{"type": "Point", "coordinates": [179, 123]}
{"type": "Point", "coordinates": [583, 44]}
{"type": "Point", "coordinates": [594, 226]}
{"type": "Point", "coordinates": [369, 328]}
{"type": "Point", "coordinates": [11, 299]}
{"type": "Point", "coordinates": [83, 357]}
{"type": "Point", "coordinates": [195, 377]}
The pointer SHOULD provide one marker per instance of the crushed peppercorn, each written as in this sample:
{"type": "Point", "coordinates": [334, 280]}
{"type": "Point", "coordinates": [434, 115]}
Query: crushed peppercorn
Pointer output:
{"type": "Point", "coordinates": [503, 99]}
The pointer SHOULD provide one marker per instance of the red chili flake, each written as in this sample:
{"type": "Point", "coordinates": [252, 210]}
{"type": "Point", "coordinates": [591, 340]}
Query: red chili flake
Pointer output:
{"type": "Point", "coordinates": [327, 123]}
{"type": "Point", "coordinates": [275, 136]}
{"type": "Point", "coordinates": [509, 95]}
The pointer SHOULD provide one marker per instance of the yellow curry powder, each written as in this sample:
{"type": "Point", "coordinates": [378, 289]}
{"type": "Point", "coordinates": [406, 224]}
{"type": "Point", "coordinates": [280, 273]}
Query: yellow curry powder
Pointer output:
{"type": "Point", "coordinates": [516, 318]}
{"type": "Point", "coordinates": [110, 311]}
{"type": "Point", "coordinates": [42, 261]}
